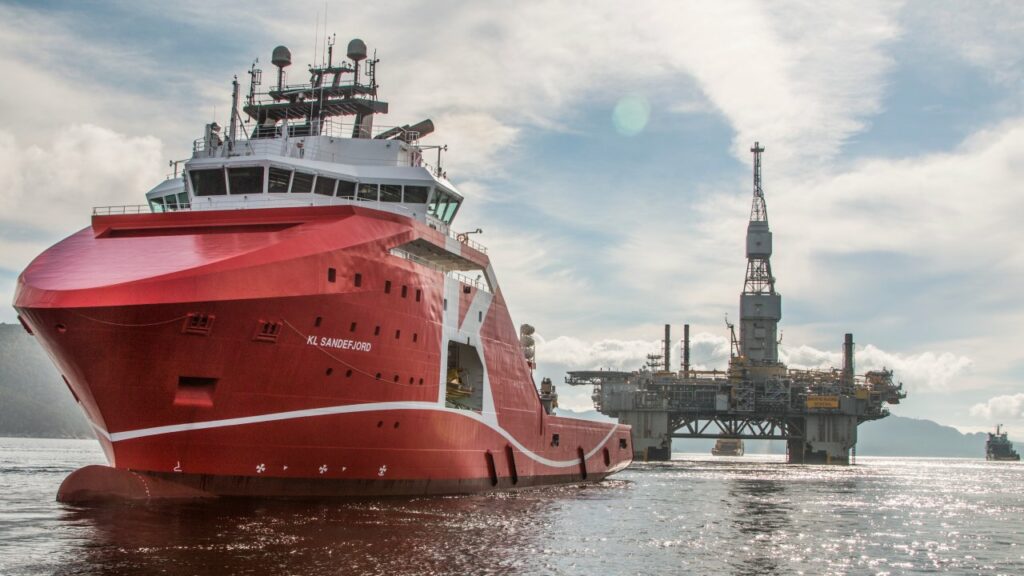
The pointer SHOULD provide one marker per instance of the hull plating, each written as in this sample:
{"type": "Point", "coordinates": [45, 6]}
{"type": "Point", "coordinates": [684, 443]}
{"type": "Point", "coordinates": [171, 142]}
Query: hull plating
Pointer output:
{"type": "Point", "coordinates": [293, 350]}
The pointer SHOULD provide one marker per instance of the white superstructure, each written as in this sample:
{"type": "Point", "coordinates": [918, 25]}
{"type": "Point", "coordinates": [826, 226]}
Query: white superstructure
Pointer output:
{"type": "Point", "coordinates": [295, 154]}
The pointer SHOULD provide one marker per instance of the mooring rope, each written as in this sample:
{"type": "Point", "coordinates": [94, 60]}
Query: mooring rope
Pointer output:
{"type": "Point", "coordinates": [125, 325]}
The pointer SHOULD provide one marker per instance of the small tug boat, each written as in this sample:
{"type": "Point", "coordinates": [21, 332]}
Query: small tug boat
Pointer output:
{"type": "Point", "coordinates": [999, 447]}
{"type": "Point", "coordinates": [728, 447]}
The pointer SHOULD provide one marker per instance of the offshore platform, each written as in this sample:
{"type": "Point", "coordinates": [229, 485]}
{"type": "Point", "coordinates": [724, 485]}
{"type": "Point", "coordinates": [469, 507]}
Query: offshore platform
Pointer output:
{"type": "Point", "coordinates": [758, 398]}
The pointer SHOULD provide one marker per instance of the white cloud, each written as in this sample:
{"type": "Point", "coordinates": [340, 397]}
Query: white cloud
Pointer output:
{"type": "Point", "coordinates": [989, 35]}
{"type": "Point", "coordinates": [924, 371]}
{"type": "Point", "coordinates": [1006, 406]}
{"type": "Point", "coordinates": [54, 186]}
{"type": "Point", "coordinates": [476, 143]}
{"type": "Point", "coordinates": [801, 75]}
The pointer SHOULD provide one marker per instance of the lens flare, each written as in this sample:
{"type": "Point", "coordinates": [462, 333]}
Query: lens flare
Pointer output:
{"type": "Point", "coordinates": [631, 115]}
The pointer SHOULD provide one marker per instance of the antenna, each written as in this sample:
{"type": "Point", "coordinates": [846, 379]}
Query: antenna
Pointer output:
{"type": "Point", "coordinates": [758, 210]}
{"type": "Point", "coordinates": [233, 124]}
{"type": "Point", "coordinates": [255, 79]}
{"type": "Point", "coordinates": [282, 58]}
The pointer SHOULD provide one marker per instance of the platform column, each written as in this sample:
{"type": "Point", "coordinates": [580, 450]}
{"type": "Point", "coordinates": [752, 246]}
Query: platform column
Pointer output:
{"type": "Point", "coordinates": [651, 438]}
{"type": "Point", "coordinates": [828, 439]}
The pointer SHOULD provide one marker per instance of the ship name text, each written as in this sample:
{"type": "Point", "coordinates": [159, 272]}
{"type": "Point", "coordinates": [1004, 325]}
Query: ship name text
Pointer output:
{"type": "Point", "coordinates": [339, 343]}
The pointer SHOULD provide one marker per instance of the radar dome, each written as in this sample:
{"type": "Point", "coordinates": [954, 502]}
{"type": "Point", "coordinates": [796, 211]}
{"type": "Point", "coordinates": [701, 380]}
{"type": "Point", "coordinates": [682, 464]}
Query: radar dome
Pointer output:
{"type": "Point", "coordinates": [357, 50]}
{"type": "Point", "coordinates": [281, 57]}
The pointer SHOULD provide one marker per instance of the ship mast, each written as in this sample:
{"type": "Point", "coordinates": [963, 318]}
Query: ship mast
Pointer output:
{"type": "Point", "coordinates": [326, 95]}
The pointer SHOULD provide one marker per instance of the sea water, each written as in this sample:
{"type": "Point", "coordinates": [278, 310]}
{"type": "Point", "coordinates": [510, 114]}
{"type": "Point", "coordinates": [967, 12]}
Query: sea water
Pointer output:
{"type": "Point", "coordinates": [695, 515]}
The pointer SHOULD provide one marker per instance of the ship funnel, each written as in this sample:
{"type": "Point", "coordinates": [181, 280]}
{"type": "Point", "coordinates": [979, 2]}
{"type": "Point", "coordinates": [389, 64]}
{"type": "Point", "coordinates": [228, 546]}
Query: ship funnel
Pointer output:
{"type": "Point", "coordinates": [357, 50]}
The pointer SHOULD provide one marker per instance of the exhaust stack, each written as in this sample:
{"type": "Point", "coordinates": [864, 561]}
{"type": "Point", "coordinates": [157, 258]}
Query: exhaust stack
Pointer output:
{"type": "Point", "coordinates": [668, 347]}
{"type": "Point", "coordinates": [686, 350]}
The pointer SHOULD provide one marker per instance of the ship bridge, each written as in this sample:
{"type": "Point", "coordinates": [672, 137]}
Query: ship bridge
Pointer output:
{"type": "Point", "coordinates": [294, 147]}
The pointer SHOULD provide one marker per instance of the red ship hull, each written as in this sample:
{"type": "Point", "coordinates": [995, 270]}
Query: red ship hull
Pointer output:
{"type": "Point", "coordinates": [290, 352]}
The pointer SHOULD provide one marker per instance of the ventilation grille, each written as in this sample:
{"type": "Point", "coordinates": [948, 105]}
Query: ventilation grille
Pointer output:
{"type": "Point", "coordinates": [267, 331]}
{"type": "Point", "coordinates": [198, 324]}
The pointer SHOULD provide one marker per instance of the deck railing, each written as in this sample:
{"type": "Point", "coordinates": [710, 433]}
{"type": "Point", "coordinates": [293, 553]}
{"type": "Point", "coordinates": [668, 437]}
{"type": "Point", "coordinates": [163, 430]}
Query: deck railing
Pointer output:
{"type": "Point", "coordinates": [263, 201]}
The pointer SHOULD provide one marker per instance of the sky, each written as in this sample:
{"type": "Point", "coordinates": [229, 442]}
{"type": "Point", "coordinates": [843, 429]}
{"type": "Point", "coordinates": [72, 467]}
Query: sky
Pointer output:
{"type": "Point", "coordinates": [603, 148]}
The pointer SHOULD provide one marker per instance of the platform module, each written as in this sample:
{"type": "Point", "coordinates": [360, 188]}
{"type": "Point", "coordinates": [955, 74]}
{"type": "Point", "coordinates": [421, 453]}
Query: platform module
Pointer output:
{"type": "Point", "coordinates": [757, 398]}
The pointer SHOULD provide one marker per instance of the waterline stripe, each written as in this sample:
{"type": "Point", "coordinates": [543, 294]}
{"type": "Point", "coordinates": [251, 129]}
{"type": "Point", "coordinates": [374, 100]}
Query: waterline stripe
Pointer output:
{"type": "Point", "coordinates": [348, 409]}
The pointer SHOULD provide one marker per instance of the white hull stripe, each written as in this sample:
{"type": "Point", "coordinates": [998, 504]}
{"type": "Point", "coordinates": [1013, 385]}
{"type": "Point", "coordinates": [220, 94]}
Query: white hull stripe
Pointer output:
{"type": "Point", "coordinates": [348, 409]}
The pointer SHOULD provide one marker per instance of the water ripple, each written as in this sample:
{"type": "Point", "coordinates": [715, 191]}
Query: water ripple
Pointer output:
{"type": "Point", "coordinates": [696, 515]}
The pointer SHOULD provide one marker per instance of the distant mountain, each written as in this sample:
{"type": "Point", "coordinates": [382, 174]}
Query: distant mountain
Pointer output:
{"type": "Point", "coordinates": [586, 415]}
{"type": "Point", "coordinates": [891, 436]}
{"type": "Point", "coordinates": [899, 436]}
{"type": "Point", "coordinates": [33, 398]}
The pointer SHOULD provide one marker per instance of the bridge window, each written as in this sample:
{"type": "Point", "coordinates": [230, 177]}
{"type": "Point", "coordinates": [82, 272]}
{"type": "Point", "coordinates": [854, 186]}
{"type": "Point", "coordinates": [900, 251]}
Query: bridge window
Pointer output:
{"type": "Point", "coordinates": [390, 193]}
{"type": "Point", "coordinates": [324, 186]}
{"type": "Point", "coordinates": [449, 213]}
{"type": "Point", "coordinates": [438, 206]}
{"type": "Point", "coordinates": [416, 194]}
{"type": "Point", "coordinates": [368, 192]}
{"type": "Point", "coordinates": [302, 183]}
{"type": "Point", "coordinates": [279, 180]}
{"type": "Point", "coordinates": [346, 189]}
{"type": "Point", "coordinates": [443, 207]}
{"type": "Point", "coordinates": [209, 182]}
{"type": "Point", "coordinates": [245, 180]}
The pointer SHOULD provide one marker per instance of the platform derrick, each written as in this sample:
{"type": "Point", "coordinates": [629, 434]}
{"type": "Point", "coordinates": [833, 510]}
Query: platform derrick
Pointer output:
{"type": "Point", "coordinates": [757, 398]}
